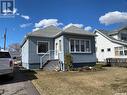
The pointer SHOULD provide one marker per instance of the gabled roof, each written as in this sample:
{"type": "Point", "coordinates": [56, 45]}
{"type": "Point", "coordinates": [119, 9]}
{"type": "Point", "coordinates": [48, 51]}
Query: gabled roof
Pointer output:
{"type": "Point", "coordinates": [106, 35]}
{"type": "Point", "coordinates": [114, 32]}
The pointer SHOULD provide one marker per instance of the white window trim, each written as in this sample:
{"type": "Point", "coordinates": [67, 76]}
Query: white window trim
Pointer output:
{"type": "Point", "coordinates": [48, 46]}
{"type": "Point", "coordinates": [123, 48]}
{"type": "Point", "coordinates": [79, 45]}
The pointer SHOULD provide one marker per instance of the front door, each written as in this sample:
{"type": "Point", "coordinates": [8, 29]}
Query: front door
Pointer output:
{"type": "Point", "coordinates": [57, 49]}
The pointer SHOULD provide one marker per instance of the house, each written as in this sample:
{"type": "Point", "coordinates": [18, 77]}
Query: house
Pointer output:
{"type": "Point", "coordinates": [111, 44]}
{"type": "Point", "coordinates": [47, 47]}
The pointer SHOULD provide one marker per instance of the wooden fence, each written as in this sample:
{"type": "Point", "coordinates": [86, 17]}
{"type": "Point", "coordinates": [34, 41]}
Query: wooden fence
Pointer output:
{"type": "Point", "coordinates": [120, 62]}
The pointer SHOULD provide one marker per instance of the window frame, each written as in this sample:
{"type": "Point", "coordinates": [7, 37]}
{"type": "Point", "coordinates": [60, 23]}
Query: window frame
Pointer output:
{"type": "Point", "coordinates": [120, 49]}
{"type": "Point", "coordinates": [79, 45]}
{"type": "Point", "coordinates": [42, 42]}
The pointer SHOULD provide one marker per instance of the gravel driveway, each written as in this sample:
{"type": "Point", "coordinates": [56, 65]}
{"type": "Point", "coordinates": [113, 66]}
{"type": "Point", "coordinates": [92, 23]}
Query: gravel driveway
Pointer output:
{"type": "Point", "coordinates": [20, 85]}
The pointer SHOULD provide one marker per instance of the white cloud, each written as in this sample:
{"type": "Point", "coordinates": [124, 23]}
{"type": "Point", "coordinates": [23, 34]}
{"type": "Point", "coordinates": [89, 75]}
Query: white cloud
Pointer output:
{"type": "Point", "coordinates": [88, 28]}
{"type": "Point", "coordinates": [113, 17]}
{"type": "Point", "coordinates": [35, 29]}
{"type": "Point", "coordinates": [25, 25]}
{"type": "Point", "coordinates": [71, 24]}
{"type": "Point", "coordinates": [47, 22]}
{"type": "Point", "coordinates": [25, 17]}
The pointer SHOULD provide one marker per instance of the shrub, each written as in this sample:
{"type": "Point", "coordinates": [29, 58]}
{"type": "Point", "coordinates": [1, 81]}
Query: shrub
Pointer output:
{"type": "Point", "coordinates": [68, 61]}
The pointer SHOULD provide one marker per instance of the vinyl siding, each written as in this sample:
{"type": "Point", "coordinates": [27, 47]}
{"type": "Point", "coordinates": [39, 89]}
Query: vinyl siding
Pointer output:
{"type": "Point", "coordinates": [34, 58]}
{"type": "Point", "coordinates": [104, 43]}
{"type": "Point", "coordinates": [25, 54]}
{"type": "Point", "coordinates": [81, 57]}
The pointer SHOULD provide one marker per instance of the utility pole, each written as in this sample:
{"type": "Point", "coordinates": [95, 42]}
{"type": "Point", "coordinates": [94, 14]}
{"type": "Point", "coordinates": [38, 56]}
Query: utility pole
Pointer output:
{"type": "Point", "coordinates": [5, 38]}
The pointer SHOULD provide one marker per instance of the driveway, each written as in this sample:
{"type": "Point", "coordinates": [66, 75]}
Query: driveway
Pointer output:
{"type": "Point", "coordinates": [20, 85]}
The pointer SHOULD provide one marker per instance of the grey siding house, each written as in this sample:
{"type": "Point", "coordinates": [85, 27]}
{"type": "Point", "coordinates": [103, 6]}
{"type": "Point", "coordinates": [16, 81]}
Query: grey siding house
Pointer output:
{"type": "Point", "coordinates": [47, 47]}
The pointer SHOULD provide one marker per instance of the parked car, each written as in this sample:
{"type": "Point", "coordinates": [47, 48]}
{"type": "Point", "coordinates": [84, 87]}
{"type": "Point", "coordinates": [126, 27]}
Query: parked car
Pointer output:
{"type": "Point", "coordinates": [6, 63]}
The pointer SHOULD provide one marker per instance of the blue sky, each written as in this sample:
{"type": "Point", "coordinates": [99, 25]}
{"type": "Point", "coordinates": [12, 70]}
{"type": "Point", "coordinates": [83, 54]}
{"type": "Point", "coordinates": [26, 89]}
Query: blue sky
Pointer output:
{"type": "Point", "coordinates": [86, 13]}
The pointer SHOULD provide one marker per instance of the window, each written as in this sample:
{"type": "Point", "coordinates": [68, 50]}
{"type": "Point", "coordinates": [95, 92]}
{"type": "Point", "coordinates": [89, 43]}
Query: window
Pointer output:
{"type": "Point", "coordinates": [42, 47]}
{"type": "Point", "coordinates": [120, 51]}
{"type": "Point", "coordinates": [102, 50]}
{"type": "Point", "coordinates": [108, 49]}
{"type": "Point", "coordinates": [124, 36]}
{"type": "Point", "coordinates": [80, 46]}
{"type": "Point", "coordinates": [72, 45]}
{"type": "Point", "coordinates": [77, 45]}
{"type": "Point", "coordinates": [125, 52]}
{"type": "Point", "coordinates": [88, 46]}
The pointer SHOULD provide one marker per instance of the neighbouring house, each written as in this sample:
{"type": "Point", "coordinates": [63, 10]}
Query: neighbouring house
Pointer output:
{"type": "Point", "coordinates": [46, 48]}
{"type": "Point", "coordinates": [111, 44]}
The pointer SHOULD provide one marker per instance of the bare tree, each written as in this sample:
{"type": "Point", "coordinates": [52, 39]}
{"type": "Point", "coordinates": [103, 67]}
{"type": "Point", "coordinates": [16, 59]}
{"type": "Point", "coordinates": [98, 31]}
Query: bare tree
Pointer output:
{"type": "Point", "coordinates": [15, 47]}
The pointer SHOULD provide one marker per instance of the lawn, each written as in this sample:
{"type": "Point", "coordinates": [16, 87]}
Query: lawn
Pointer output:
{"type": "Point", "coordinates": [111, 81]}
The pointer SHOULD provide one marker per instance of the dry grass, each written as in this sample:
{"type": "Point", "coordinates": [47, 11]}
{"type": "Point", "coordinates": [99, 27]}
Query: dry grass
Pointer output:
{"type": "Point", "coordinates": [107, 82]}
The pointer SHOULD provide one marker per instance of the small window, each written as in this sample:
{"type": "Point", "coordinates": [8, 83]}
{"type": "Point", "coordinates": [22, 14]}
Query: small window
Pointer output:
{"type": "Point", "coordinates": [121, 53]}
{"type": "Point", "coordinates": [42, 47]}
{"type": "Point", "coordinates": [108, 49]}
{"type": "Point", "coordinates": [102, 50]}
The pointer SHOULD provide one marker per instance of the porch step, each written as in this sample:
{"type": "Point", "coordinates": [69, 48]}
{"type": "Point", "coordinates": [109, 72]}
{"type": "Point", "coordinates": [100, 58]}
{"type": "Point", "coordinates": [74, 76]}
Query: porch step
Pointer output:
{"type": "Point", "coordinates": [52, 65]}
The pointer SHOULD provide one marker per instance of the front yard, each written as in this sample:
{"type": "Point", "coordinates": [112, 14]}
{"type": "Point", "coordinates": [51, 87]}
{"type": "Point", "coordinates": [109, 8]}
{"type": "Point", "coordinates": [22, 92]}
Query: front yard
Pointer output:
{"type": "Point", "coordinates": [111, 81]}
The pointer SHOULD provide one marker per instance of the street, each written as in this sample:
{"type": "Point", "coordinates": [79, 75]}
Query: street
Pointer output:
{"type": "Point", "coordinates": [20, 85]}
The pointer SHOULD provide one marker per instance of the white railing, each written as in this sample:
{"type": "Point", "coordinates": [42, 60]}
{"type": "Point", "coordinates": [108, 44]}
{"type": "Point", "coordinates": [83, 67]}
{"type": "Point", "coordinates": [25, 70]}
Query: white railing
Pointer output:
{"type": "Point", "coordinates": [49, 55]}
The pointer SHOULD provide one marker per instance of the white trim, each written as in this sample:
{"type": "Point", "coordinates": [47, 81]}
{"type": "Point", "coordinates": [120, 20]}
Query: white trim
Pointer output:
{"type": "Point", "coordinates": [48, 47]}
{"type": "Point", "coordinates": [115, 41]}
{"type": "Point", "coordinates": [79, 45]}
{"type": "Point", "coordinates": [123, 49]}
